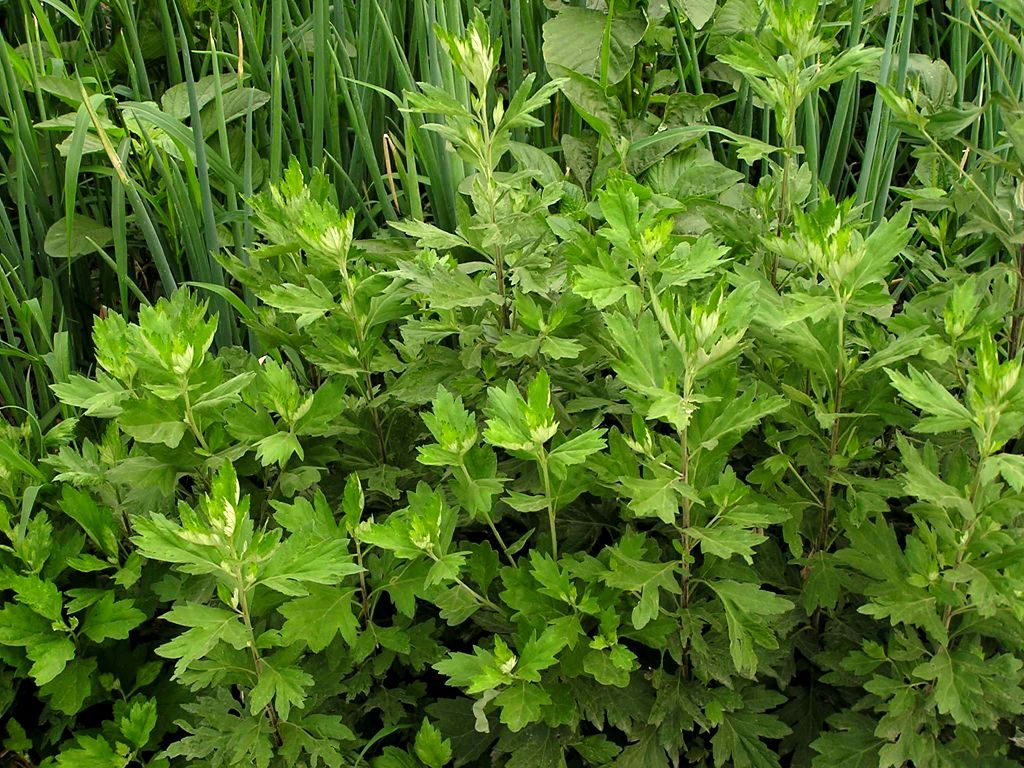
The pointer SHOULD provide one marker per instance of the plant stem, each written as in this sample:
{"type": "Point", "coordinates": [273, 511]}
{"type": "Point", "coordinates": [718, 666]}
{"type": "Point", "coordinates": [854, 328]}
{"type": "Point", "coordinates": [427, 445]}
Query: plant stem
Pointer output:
{"type": "Point", "coordinates": [257, 660]}
{"type": "Point", "coordinates": [375, 415]}
{"type": "Point", "coordinates": [965, 540]}
{"type": "Point", "coordinates": [542, 462]}
{"type": "Point", "coordinates": [1017, 323]}
{"type": "Point", "coordinates": [684, 471]}
{"type": "Point", "coordinates": [487, 168]}
{"type": "Point", "coordinates": [364, 611]}
{"type": "Point", "coordinates": [357, 322]}
{"type": "Point", "coordinates": [487, 516]}
{"type": "Point", "coordinates": [787, 171]}
{"type": "Point", "coordinates": [684, 450]}
{"type": "Point", "coordinates": [469, 590]}
{"type": "Point", "coordinates": [837, 405]}
{"type": "Point", "coordinates": [191, 421]}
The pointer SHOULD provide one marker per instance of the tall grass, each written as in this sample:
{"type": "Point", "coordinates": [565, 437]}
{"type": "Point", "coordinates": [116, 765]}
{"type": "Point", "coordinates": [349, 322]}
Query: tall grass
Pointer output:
{"type": "Point", "coordinates": [323, 80]}
{"type": "Point", "coordinates": [173, 189]}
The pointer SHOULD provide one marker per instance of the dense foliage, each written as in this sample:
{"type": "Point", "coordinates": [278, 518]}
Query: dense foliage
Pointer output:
{"type": "Point", "coordinates": [685, 443]}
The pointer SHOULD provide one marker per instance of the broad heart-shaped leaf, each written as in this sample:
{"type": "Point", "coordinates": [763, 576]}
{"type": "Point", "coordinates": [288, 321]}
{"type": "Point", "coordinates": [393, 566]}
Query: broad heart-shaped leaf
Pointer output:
{"type": "Point", "coordinates": [235, 104]}
{"type": "Point", "coordinates": [699, 12]}
{"type": "Point", "coordinates": [175, 100]}
{"type": "Point", "coordinates": [86, 236]}
{"type": "Point", "coordinates": [575, 40]}
{"type": "Point", "coordinates": [746, 606]}
{"type": "Point", "coordinates": [602, 111]}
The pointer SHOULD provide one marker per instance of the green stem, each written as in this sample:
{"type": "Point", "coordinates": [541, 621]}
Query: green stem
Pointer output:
{"type": "Point", "coordinates": [684, 448]}
{"type": "Point", "coordinates": [487, 516]}
{"type": "Point", "coordinates": [257, 660]}
{"type": "Point", "coordinates": [468, 589]}
{"type": "Point", "coordinates": [542, 462]}
{"type": "Point", "coordinates": [1017, 323]}
{"type": "Point", "coordinates": [375, 415]}
{"type": "Point", "coordinates": [966, 176]}
{"type": "Point", "coordinates": [684, 471]}
{"type": "Point", "coordinates": [190, 420]}
{"type": "Point", "coordinates": [486, 158]}
{"type": "Point", "coordinates": [785, 203]}
{"type": "Point", "coordinates": [351, 308]}
{"type": "Point", "coordinates": [965, 540]}
{"type": "Point", "coordinates": [837, 405]}
{"type": "Point", "coordinates": [364, 612]}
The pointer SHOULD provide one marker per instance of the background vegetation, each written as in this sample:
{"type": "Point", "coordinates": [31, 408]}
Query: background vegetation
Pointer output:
{"type": "Point", "coordinates": [643, 389]}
